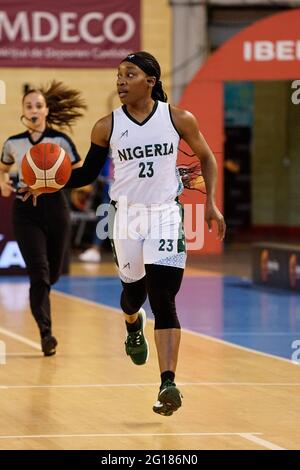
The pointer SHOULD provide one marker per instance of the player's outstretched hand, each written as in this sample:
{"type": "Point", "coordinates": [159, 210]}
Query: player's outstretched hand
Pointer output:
{"type": "Point", "coordinates": [213, 213]}
{"type": "Point", "coordinates": [29, 192]}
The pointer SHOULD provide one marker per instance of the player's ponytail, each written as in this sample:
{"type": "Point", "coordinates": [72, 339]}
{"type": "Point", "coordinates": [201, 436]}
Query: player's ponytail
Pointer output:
{"type": "Point", "coordinates": [158, 92]}
{"type": "Point", "coordinates": [65, 104]}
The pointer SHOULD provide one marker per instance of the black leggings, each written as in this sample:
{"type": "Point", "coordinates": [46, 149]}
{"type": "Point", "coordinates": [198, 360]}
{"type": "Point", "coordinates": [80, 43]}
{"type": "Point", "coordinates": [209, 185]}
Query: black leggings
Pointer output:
{"type": "Point", "coordinates": [161, 283]}
{"type": "Point", "coordinates": [43, 235]}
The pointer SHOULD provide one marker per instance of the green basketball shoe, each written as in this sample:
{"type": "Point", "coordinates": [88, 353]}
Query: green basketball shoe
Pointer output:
{"type": "Point", "coordinates": [136, 345]}
{"type": "Point", "coordinates": [168, 400]}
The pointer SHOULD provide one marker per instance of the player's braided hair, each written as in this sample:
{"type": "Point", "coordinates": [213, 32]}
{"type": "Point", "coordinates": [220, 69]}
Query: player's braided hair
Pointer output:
{"type": "Point", "coordinates": [191, 174]}
{"type": "Point", "coordinates": [65, 104]}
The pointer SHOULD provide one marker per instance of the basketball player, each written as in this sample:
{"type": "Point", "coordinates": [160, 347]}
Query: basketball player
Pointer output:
{"type": "Point", "coordinates": [42, 231]}
{"type": "Point", "coordinates": [142, 137]}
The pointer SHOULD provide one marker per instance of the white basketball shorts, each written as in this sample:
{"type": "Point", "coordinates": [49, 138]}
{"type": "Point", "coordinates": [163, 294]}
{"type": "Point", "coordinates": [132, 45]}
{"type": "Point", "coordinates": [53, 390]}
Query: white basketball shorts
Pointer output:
{"type": "Point", "coordinates": [146, 235]}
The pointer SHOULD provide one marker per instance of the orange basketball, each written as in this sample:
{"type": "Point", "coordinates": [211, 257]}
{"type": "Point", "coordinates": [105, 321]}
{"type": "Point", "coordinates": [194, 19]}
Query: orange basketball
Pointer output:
{"type": "Point", "coordinates": [46, 167]}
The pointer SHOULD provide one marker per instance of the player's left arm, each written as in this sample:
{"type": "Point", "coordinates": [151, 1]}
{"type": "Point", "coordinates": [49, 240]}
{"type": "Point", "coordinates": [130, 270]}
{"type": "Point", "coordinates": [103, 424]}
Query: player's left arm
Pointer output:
{"type": "Point", "coordinates": [96, 156]}
{"type": "Point", "coordinates": [187, 126]}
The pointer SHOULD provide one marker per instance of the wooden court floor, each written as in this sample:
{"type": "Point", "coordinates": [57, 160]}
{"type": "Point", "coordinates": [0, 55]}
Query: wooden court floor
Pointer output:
{"type": "Point", "coordinates": [90, 395]}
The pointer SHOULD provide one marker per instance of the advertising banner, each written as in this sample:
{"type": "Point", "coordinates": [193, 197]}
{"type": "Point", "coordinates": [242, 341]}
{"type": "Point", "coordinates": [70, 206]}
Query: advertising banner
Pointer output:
{"type": "Point", "coordinates": [90, 33]}
{"type": "Point", "coordinates": [11, 260]}
{"type": "Point", "coordinates": [276, 265]}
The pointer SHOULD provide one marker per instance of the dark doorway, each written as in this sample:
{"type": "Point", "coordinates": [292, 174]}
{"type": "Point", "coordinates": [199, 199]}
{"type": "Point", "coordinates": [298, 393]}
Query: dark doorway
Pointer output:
{"type": "Point", "coordinates": [238, 103]}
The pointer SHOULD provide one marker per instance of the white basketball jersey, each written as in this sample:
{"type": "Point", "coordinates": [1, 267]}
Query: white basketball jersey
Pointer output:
{"type": "Point", "coordinates": [144, 156]}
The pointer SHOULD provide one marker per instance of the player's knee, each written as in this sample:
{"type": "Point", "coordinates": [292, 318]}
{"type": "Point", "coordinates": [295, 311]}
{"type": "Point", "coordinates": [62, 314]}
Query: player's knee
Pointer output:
{"type": "Point", "coordinates": [38, 285]}
{"type": "Point", "coordinates": [166, 318]}
{"type": "Point", "coordinates": [133, 296]}
{"type": "Point", "coordinates": [164, 310]}
{"type": "Point", "coordinates": [38, 272]}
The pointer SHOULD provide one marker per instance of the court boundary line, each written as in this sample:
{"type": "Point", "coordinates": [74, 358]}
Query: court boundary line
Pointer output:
{"type": "Point", "coordinates": [22, 353]}
{"type": "Point", "coordinates": [253, 436]}
{"type": "Point", "coordinates": [20, 338]}
{"type": "Point", "coordinates": [186, 330]}
{"type": "Point", "coordinates": [260, 441]}
{"type": "Point", "coordinates": [147, 434]}
{"type": "Point", "coordinates": [149, 384]}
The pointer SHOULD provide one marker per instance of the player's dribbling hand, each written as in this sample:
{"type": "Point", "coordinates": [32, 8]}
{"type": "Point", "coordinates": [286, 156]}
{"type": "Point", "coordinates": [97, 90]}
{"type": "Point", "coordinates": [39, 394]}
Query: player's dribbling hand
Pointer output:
{"type": "Point", "coordinates": [29, 192]}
